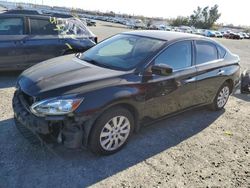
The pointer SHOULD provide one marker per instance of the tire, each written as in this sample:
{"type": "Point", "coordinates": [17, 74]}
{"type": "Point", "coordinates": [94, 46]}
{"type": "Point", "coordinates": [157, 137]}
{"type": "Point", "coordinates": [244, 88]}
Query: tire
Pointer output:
{"type": "Point", "coordinates": [245, 83]}
{"type": "Point", "coordinates": [105, 137]}
{"type": "Point", "coordinates": [221, 97]}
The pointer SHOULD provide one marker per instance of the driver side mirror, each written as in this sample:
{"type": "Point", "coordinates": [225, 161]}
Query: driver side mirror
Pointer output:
{"type": "Point", "coordinates": [161, 69]}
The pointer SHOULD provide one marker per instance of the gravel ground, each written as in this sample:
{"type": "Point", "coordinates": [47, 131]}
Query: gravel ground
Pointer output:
{"type": "Point", "coordinates": [198, 148]}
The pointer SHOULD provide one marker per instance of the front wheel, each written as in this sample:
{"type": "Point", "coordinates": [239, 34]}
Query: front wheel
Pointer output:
{"type": "Point", "coordinates": [221, 97]}
{"type": "Point", "coordinates": [111, 131]}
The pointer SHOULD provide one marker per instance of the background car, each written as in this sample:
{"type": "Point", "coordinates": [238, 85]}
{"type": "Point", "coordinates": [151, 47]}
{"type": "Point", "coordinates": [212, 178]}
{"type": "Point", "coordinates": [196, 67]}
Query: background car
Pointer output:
{"type": "Point", "coordinates": [185, 29]}
{"type": "Point", "coordinates": [91, 22]}
{"type": "Point", "coordinates": [29, 39]}
{"type": "Point", "coordinates": [231, 35]}
{"type": "Point", "coordinates": [100, 97]}
{"type": "Point", "coordinates": [241, 35]}
{"type": "Point", "coordinates": [246, 36]}
{"type": "Point", "coordinates": [210, 33]}
{"type": "Point", "coordinates": [218, 34]}
{"type": "Point", "coordinates": [200, 32]}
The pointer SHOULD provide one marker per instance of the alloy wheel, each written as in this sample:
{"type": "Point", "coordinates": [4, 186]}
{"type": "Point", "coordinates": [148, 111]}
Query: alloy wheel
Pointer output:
{"type": "Point", "coordinates": [115, 133]}
{"type": "Point", "coordinates": [223, 96]}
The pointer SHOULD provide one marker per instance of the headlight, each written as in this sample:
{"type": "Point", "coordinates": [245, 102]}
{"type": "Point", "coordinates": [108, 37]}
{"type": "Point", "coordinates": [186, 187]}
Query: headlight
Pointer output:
{"type": "Point", "coordinates": [56, 106]}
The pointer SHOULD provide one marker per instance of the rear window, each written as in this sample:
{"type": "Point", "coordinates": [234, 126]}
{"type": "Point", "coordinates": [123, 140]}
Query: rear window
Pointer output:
{"type": "Point", "coordinates": [42, 27]}
{"type": "Point", "coordinates": [11, 26]}
{"type": "Point", "coordinates": [205, 52]}
{"type": "Point", "coordinates": [222, 52]}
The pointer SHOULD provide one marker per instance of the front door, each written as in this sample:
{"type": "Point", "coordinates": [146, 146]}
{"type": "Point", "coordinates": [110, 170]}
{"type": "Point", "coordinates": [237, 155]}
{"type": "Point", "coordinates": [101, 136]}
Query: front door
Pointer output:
{"type": "Point", "coordinates": [168, 94]}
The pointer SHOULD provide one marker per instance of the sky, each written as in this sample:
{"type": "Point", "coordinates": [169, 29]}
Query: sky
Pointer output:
{"type": "Point", "coordinates": [233, 12]}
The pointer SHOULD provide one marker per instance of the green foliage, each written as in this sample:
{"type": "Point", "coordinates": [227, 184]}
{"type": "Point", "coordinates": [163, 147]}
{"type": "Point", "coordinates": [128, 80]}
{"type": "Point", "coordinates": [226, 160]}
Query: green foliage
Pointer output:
{"type": "Point", "coordinates": [247, 30]}
{"type": "Point", "coordinates": [180, 20]}
{"type": "Point", "coordinates": [203, 18]}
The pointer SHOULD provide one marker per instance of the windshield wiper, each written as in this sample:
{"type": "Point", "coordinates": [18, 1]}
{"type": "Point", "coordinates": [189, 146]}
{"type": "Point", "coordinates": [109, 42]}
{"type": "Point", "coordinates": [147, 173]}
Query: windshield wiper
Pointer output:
{"type": "Point", "coordinates": [94, 62]}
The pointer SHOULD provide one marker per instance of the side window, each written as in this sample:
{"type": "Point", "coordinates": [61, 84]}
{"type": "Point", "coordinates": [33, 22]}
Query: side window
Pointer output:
{"type": "Point", "coordinates": [11, 26]}
{"type": "Point", "coordinates": [222, 52]}
{"type": "Point", "coordinates": [42, 27]}
{"type": "Point", "coordinates": [177, 56]}
{"type": "Point", "coordinates": [205, 52]}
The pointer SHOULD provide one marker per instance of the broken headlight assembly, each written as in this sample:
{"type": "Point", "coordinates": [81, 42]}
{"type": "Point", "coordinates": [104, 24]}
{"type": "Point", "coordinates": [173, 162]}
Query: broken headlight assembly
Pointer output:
{"type": "Point", "coordinates": [55, 106]}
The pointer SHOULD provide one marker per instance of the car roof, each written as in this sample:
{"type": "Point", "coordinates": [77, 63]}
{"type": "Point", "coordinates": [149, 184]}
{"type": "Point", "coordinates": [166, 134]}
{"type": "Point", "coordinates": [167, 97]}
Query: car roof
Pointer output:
{"type": "Point", "coordinates": [22, 11]}
{"type": "Point", "coordinates": [24, 15]}
{"type": "Point", "coordinates": [31, 15]}
{"type": "Point", "coordinates": [164, 35]}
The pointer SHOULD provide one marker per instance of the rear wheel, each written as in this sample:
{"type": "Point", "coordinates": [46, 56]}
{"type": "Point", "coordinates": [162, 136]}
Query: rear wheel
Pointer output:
{"type": "Point", "coordinates": [221, 97]}
{"type": "Point", "coordinates": [111, 131]}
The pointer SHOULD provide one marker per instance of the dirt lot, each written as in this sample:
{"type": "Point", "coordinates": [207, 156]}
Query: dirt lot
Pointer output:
{"type": "Point", "coordinates": [198, 148]}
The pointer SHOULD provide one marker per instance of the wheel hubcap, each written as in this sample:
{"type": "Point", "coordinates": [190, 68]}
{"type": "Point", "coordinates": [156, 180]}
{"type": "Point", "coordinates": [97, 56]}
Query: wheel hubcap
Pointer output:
{"type": "Point", "coordinates": [223, 96]}
{"type": "Point", "coordinates": [115, 133]}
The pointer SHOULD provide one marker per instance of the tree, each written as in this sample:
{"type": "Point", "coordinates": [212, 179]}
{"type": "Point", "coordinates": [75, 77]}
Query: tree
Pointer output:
{"type": "Point", "coordinates": [180, 20]}
{"type": "Point", "coordinates": [150, 22]}
{"type": "Point", "coordinates": [204, 18]}
{"type": "Point", "coordinates": [247, 30]}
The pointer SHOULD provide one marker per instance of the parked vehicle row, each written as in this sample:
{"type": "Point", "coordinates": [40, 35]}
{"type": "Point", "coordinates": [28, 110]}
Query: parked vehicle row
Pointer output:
{"type": "Point", "coordinates": [226, 34]}
{"type": "Point", "coordinates": [132, 23]}
{"type": "Point", "coordinates": [138, 24]}
{"type": "Point", "coordinates": [233, 35]}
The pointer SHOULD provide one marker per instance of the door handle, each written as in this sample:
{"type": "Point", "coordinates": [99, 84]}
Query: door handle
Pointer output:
{"type": "Point", "coordinates": [221, 72]}
{"type": "Point", "coordinates": [189, 80]}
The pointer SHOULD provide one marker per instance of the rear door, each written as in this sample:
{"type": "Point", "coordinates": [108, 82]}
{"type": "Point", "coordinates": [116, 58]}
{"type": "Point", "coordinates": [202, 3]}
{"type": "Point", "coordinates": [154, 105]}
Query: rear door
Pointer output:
{"type": "Point", "coordinates": [210, 69]}
{"type": "Point", "coordinates": [12, 34]}
{"type": "Point", "coordinates": [43, 42]}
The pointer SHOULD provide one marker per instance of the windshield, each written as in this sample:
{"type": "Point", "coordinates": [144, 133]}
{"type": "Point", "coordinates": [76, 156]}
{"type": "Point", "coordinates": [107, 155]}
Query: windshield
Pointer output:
{"type": "Point", "coordinates": [122, 52]}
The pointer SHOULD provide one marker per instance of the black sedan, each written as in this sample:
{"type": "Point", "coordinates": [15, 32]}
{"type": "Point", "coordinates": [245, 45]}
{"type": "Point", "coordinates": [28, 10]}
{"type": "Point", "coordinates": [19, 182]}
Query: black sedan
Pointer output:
{"type": "Point", "coordinates": [29, 39]}
{"type": "Point", "coordinates": [232, 35]}
{"type": "Point", "coordinates": [100, 97]}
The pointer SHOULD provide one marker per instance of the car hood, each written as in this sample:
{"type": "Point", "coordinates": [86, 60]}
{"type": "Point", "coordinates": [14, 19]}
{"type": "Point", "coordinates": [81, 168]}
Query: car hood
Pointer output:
{"type": "Point", "coordinates": [67, 73]}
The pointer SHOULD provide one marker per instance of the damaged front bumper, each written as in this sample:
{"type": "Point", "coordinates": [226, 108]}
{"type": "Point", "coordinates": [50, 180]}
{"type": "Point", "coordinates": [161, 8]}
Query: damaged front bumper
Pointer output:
{"type": "Point", "coordinates": [68, 131]}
